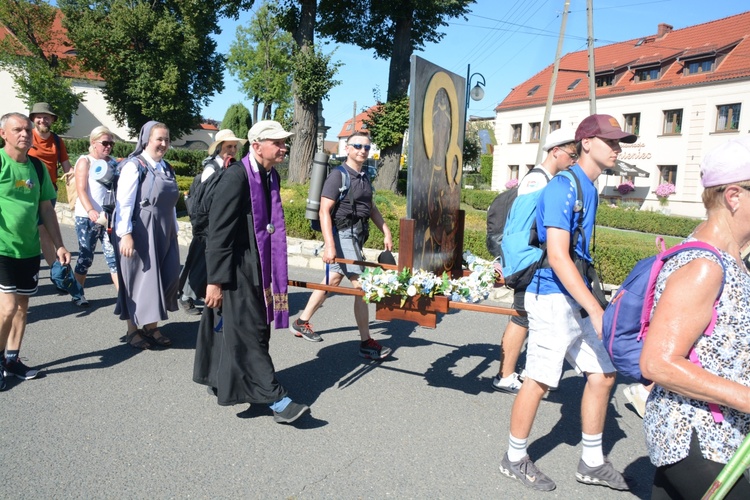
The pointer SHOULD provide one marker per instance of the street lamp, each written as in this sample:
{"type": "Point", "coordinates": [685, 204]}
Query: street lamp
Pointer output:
{"type": "Point", "coordinates": [477, 93]}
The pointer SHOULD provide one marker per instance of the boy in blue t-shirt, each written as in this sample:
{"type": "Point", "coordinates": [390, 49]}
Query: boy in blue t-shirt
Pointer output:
{"type": "Point", "coordinates": [565, 319]}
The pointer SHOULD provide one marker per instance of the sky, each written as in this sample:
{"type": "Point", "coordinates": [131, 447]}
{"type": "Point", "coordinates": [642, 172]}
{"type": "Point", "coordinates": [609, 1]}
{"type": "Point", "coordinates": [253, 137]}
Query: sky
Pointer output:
{"type": "Point", "coordinates": [505, 41]}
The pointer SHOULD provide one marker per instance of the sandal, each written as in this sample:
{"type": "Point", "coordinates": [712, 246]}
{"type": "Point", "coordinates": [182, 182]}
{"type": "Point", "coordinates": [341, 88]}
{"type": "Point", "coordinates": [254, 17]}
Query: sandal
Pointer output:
{"type": "Point", "coordinates": [157, 336]}
{"type": "Point", "coordinates": [142, 343]}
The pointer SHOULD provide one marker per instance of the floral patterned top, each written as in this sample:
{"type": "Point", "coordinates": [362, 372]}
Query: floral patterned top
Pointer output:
{"type": "Point", "coordinates": [671, 418]}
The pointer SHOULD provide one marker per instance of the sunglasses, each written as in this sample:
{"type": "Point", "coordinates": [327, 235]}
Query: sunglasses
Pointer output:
{"type": "Point", "coordinates": [107, 144]}
{"type": "Point", "coordinates": [360, 146]}
{"type": "Point", "coordinates": [573, 156]}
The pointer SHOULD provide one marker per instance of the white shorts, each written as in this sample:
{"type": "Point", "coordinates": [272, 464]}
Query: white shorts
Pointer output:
{"type": "Point", "coordinates": [558, 332]}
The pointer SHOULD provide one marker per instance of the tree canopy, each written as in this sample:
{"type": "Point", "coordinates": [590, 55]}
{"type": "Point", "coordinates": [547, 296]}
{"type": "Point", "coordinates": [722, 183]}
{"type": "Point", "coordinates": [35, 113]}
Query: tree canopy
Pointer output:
{"type": "Point", "coordinates": [31, 57]}
{"type": "Point", "coordinates": [261, 59]}
{"type": "Point", "coordinates": [157, 57]}
{"type": "Point", "coordinates": [392, 29]}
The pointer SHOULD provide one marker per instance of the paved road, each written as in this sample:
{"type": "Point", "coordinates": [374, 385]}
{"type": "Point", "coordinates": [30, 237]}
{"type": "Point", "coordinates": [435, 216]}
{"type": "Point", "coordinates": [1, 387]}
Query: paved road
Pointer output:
{"type": "Point", "coordinates": [108, 421]}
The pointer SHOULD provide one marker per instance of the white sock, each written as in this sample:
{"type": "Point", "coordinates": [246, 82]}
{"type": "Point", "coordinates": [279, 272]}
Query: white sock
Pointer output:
{"type": "Point", "coordinates": [592, 452]}
{"type": "Point", "coordinates": [516, 448]}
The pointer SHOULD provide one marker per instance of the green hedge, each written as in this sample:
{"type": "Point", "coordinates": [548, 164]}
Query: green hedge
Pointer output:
{"type": "Point", "coordinates": [477, 198]}
{"type": "Point", "coordinates": [645, 221]}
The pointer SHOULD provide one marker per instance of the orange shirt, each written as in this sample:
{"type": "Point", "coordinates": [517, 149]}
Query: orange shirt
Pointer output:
{"type": "Point", "coordinates": [46, 151]}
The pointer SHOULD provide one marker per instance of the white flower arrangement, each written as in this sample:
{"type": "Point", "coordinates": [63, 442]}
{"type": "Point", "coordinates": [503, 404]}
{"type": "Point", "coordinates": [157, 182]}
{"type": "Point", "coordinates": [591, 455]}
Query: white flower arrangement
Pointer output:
{"type": "Point", "coordinates": [378, 283]}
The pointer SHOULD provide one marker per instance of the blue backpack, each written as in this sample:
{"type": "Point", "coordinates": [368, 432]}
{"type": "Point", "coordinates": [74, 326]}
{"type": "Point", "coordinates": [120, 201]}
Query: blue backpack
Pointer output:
{"type": "Point", "coordinates": [628, 315]}
{"type": "Point", "coordinates": [522, 253]}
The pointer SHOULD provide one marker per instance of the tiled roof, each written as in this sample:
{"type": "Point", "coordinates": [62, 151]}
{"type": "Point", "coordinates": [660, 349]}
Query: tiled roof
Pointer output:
{"type": "Point", "coordinates": [208, 126]}
{"type": "Point", "coordinates": [727, 39]}
{"type": "Point", "coordinates": [359, 126]}
{"type": "Point", "coordinates": [59, 46]}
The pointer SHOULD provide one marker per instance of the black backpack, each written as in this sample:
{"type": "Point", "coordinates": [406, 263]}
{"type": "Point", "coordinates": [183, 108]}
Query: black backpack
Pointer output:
{"type": "Point", "coordinates": [199, 198]}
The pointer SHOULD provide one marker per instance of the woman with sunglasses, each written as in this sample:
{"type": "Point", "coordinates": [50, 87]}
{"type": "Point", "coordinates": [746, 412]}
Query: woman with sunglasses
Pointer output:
{"type": "Point", "coordinates": [88, 210]}
{"type": "Point", "coordinates": [345, 228]}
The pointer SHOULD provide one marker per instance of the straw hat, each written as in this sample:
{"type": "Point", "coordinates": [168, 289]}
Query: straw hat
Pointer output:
{"type": "Point", "coordinates": [223, 136]}
{"type": "Point", "coordinates": [41, 107]}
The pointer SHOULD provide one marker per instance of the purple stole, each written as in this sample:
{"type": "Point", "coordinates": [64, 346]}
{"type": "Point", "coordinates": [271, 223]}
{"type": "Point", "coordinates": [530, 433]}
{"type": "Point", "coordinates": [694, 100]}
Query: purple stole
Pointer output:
{"type": "Point", "coordinates": [271, 246]}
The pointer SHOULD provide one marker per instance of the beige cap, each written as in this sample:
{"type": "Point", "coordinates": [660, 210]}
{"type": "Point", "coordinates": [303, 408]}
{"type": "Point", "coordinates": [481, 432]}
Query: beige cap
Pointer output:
{"type": "Point", "coordinates": [267, 129]}
{"type": "Point", "coordinates": [224, 135]}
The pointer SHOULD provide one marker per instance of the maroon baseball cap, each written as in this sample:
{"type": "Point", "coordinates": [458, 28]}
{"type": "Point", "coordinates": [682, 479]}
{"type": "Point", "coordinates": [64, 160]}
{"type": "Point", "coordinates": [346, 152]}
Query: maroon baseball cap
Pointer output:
{"type": "Point", "coordinates": [604, 126]}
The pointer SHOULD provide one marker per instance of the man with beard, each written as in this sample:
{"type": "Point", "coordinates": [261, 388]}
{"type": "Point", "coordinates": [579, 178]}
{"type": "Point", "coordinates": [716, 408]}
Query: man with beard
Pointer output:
{"type": "Point", "coordinates": [50, 150]}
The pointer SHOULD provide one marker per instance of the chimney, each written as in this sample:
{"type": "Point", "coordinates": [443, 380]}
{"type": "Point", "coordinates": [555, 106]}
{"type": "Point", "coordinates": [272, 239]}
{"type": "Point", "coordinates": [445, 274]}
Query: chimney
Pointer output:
{"type": "Point", "coordinates": [663, 29]}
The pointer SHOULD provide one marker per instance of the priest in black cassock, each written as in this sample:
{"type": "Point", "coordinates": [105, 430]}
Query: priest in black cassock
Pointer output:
{"type": "Point", "coordinates": [247, 280]}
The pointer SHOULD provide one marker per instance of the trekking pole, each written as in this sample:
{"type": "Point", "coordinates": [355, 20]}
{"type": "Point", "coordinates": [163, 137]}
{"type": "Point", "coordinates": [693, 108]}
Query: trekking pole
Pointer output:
{"type": "Point", "coordinates": [730, 473]}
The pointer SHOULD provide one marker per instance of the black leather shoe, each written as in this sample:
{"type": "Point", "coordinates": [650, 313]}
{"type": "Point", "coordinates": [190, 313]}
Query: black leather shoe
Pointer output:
{"type": "Point", "coordinates": [292, 412]}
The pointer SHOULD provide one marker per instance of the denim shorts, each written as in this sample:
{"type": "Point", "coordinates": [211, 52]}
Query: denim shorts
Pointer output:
{"type": "Point", "coordinates": [349, 243]}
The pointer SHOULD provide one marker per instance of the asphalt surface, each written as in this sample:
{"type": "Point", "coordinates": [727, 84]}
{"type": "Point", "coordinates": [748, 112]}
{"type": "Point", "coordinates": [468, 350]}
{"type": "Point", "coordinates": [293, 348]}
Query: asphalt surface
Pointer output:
{"type": "Point", "coordinates": [108, 421]}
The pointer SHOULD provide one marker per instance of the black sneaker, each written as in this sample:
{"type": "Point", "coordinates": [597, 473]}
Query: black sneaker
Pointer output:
{"type": "Point", "coordinates": [2, 379]}
{"type": "Point", "coordinates": [189, 307]}
{"type": "Point", "coordinates": [19, 370]}
{"type": "Point", "coordinates": [527, 473]}
{"type": "Point", "coordinates": [304, 330]}
{"type": "Point", "coordinates": [371, 349]}
{"type": "Point", "coordinates": [292, 412]}
{"type": "Point", "coordinates": [603, 475]}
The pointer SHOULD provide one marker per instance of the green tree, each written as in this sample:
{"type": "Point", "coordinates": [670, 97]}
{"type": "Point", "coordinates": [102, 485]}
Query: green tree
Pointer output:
{"type": "Point", "coordinates": [31, 56]}
{"type": "Point", "coordinates": [157, 57]}
{"type": "Point", "coordinates": [237, 119]}
{"type": "Point", "coordinates": [261, 59]}
{"type": "Point", "coordinates": [394, 29]}
{"type": "Point", "coordinates": [311, 82]}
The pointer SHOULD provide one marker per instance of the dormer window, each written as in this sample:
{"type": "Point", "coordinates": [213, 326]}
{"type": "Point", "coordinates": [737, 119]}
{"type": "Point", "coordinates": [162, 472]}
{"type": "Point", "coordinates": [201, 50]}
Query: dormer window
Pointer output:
{"type": "Point", "coordinates": [605, 80]}
{"type": "Point", "coordinates": [533, 90]}
{"type": "Point", "coordinates": [647, 74]}
{"type": "Point", "coordinates": [705, 65]}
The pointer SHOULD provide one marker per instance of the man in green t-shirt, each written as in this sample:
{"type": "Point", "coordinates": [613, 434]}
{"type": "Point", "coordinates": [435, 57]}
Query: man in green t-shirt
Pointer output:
{"type": "Point", "coordinates": [24, 198]}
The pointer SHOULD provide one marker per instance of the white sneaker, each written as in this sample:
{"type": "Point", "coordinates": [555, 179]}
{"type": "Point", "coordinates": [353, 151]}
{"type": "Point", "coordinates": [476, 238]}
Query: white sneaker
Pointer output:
{"type": "Point", "coordinates": [509, 384]}
{"type": "Point", "coordinates": [635, 397]}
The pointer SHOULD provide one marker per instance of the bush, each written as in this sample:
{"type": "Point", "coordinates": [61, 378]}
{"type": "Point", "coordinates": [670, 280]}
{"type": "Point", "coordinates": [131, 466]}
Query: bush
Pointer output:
{"type": "Point", "coordinates": [479, 199]}
{"type": "Point", "coordinates": [486, 169]}
{"type": "Point", "coordinates": [645, 222]}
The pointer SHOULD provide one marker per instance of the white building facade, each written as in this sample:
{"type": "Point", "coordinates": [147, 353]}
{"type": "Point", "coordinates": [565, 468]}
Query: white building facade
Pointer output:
{"type": "Point", "coordinates": [677, 122]}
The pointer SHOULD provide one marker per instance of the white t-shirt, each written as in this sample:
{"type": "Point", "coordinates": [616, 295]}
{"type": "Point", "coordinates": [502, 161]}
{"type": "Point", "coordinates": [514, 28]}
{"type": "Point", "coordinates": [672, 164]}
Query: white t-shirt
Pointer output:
{"type": "Point", "coordinates": [533, 181]}
{"type": "Point", "coordinates": [95, 189]}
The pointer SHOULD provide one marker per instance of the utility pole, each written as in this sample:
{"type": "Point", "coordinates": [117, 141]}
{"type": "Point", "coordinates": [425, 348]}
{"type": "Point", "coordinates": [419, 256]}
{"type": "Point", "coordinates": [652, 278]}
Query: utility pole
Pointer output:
{"type": "Point", "coordinates": [552, 85]}
{"type": "Point", "coordinates": [354, 117]}
{"type": "Point", "coordinates": [592, 70]}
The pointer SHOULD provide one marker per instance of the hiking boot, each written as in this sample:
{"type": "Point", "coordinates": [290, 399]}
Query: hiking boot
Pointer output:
{"type": "Point", "coordinates": [527, 473]}
{"type": "Point", "coordinates": [303, 329]}
{"type": "Point", "coordinates": [19, 370]}
{"type": "Point", "coordinates": [81, 301]}
{"type": "Point", "coordinates": [603, 475]}
{"type": "Point", "coordinates": [635, 398]}
{"type": "Point", "coordinates": [509, 384]}
{"type": "Point", "coordinates": [371, 349]}
{"type": "Point", "coordinates": [189, 307]}
{"type": "Point", "coordinates": [292, 412]}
